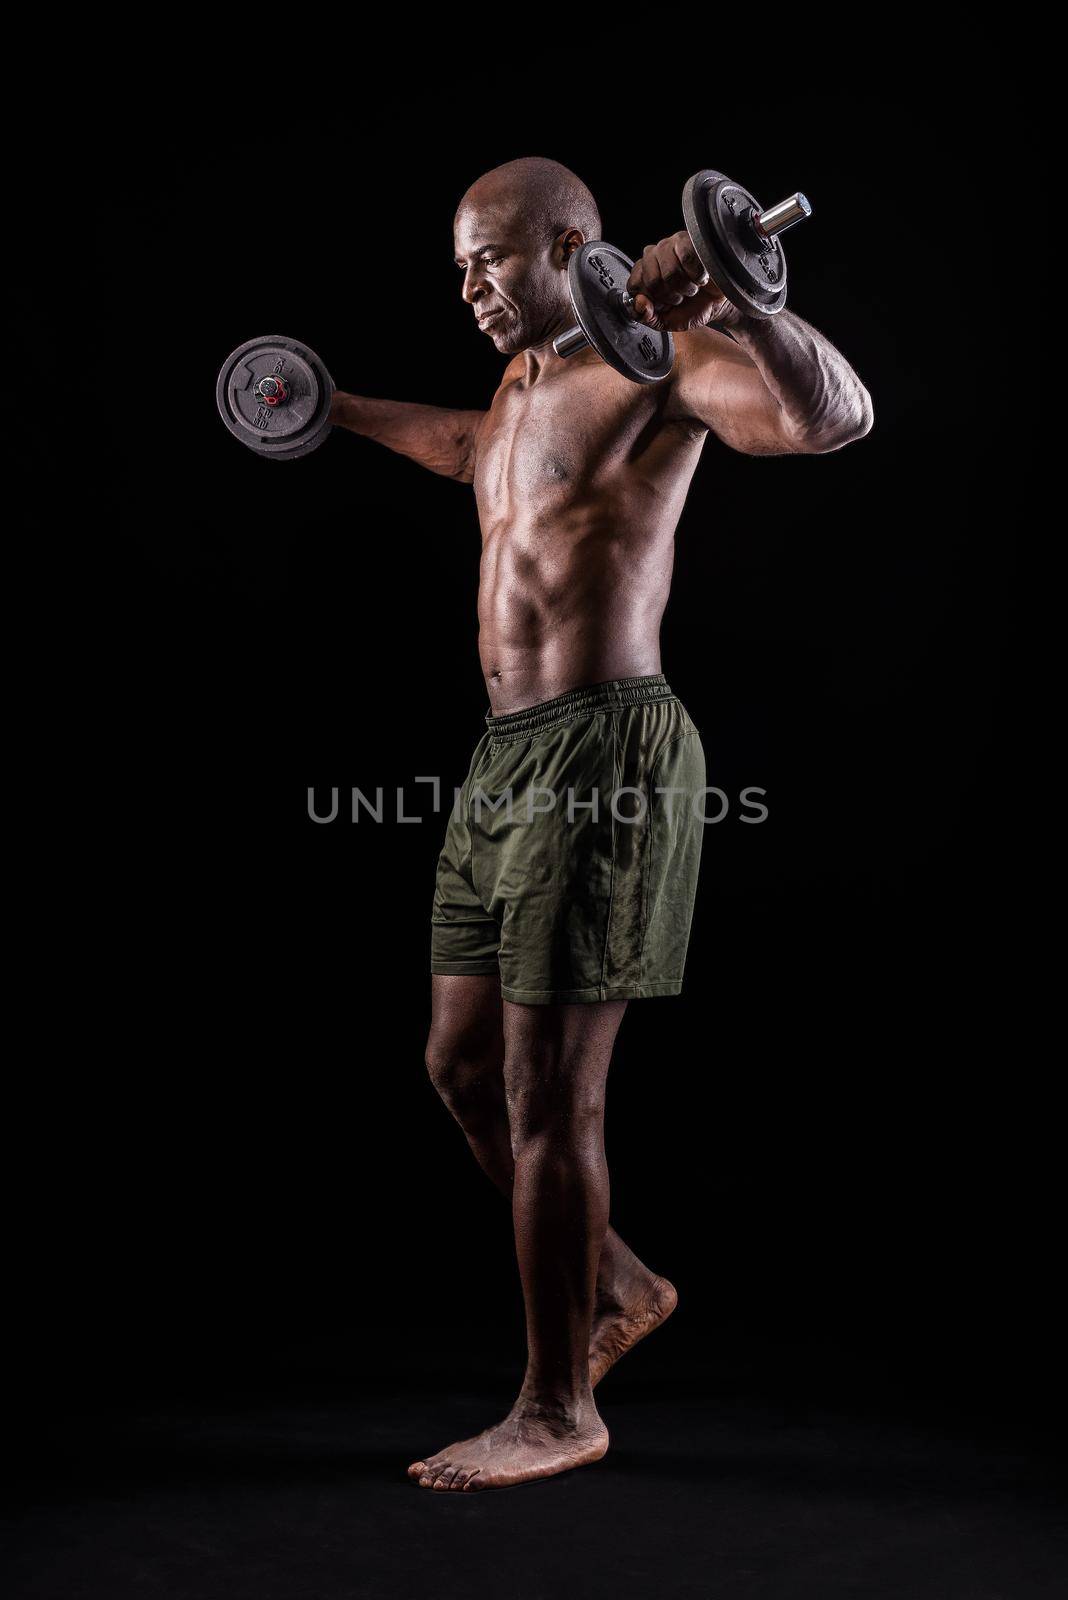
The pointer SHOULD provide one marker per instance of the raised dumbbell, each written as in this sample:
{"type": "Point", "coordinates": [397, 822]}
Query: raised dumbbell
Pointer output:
{"type": "Point", "coordinates": [274, 395]}
{"type": "Point", "coordinates": [736, 240]}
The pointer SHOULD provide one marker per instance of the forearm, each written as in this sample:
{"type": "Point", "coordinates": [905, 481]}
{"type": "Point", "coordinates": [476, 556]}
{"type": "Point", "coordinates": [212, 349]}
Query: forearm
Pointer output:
{"type": "Point", "coordinates": [436, 437]}
{"type": "Point", "coordinates": [822, 402]}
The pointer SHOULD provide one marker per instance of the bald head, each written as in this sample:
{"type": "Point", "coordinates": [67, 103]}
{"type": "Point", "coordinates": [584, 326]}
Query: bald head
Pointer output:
{"type": "Point", "coordinates": [514, 232]}
{"type": "Point", "coordinates": [549, 198]}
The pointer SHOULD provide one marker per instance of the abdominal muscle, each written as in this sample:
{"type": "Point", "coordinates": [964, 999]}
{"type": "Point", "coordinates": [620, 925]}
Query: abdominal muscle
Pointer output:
{"type": "Point", "coordinates": [574, 601]}
{"type": "Point", "coordinates": [579, 487]}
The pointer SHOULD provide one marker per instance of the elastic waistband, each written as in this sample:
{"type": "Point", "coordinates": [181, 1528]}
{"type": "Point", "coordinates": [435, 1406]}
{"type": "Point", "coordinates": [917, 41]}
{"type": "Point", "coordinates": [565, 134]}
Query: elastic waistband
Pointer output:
{"type": "Point", "coordinates": [583, 702]}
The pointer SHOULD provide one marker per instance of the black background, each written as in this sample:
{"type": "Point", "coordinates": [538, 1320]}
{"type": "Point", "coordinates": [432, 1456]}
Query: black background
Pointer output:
{"type": "Point", "coordinates": [238, 1179]}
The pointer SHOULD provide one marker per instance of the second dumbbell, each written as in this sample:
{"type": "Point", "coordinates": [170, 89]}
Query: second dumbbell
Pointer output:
{"type": "Point", "coordinates": [737, 242]}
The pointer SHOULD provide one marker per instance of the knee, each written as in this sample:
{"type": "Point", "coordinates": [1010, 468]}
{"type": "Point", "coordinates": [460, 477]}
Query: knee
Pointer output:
{"type": "Point", "coordinates": [444, 1063]}
{"type": "Point", "coordinates": [459, 1071]}
{"type": "Point", "coordinates": [550, 1108]}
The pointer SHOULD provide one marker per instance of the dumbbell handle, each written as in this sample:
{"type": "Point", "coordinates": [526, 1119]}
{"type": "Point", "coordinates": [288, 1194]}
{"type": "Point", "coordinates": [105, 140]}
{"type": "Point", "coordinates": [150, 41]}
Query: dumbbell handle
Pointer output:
{"type": "Point", "coordinates": [776, 219]}
{"type": "Point", "coordinates": [571, 342]}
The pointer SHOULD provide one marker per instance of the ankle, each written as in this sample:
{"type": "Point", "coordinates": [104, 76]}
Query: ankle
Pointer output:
{"type": "Point", "coordinates": [617, 1290]}
{"type": "Point", "coordinates": [557, 1408]}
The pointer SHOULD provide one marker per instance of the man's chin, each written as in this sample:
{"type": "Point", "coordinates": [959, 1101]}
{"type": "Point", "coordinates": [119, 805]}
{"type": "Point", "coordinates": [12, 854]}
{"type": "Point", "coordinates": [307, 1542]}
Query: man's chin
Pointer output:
{"type": "Point", "coordinates": [508, 340]}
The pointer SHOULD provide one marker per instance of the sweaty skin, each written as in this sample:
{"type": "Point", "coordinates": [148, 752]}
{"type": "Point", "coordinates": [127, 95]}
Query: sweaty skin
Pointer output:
{"type": "Point", "coordinates": [580, 477]}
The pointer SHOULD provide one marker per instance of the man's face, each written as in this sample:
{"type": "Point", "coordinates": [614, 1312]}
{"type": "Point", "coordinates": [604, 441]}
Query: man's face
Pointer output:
{"type": "Point", "coordinates": [516, 286]}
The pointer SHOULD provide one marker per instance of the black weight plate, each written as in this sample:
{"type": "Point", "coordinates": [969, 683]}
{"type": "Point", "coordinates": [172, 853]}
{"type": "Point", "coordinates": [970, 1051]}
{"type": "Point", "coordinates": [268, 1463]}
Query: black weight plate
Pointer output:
{"type": "Point", "coordinates": [760, 263]}
{"type": "Point", "coordinates": [597, 274]}
{"type": "Point", "coordinates": [750, 271]}
{"type": "Point", "coordinates": [296, 426]}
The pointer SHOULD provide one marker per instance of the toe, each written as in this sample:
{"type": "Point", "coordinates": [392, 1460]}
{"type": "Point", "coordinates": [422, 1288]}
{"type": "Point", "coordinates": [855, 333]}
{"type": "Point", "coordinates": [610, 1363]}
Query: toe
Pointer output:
{"type": "Point", "coordinates": [470, 1482]}
{"type": "Point", "coordinates": [446, 1479]}
{"type": "Point", "coordinates": [416, 1469]}
{"type": "Point", "coordinates": [433, 1473]}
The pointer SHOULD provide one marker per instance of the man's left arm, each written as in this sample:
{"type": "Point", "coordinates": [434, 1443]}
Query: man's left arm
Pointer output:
{"type": "Point", "coordinates": [775, 387]}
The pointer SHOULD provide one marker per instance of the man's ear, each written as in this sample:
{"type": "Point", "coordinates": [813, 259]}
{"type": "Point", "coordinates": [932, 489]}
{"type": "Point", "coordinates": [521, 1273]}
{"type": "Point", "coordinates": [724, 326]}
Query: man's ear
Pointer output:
{"type": "Point", "coordinates": [566, 244]}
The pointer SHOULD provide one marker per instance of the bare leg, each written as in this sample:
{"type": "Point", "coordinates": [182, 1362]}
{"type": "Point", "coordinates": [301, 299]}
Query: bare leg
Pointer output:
{"type": "Point", "coordinates": [465, 1058]}
{"type": "Point", "coordinates": [555, 1066]}
{"type": "Point", "coordinates": [555, 1069]}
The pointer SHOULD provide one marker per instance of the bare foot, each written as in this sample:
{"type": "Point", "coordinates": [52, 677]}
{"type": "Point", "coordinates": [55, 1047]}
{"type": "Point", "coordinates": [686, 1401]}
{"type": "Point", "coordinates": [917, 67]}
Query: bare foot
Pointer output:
{"type": "Point", "coordinates": [620, 1323]}
{"type": "Point", "coordinates": [533, 1441]}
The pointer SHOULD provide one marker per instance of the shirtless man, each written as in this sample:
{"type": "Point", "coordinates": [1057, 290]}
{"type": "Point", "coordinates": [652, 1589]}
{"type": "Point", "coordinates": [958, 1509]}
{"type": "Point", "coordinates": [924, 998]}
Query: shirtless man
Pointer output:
{"type": "Point", "coordinates": [549, 916]}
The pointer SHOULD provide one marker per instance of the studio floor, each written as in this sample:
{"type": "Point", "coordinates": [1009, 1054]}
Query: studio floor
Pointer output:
{"type": "Point", "coordinates": [310, 1502]}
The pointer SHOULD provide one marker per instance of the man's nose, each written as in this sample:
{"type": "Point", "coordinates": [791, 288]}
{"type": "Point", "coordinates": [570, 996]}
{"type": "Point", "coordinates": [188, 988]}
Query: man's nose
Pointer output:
{"type": "Point", "coordinates": [473, 287]}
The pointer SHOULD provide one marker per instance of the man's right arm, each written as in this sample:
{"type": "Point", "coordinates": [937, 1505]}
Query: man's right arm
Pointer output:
{"type": "Point", "coordinates": [436, 437]}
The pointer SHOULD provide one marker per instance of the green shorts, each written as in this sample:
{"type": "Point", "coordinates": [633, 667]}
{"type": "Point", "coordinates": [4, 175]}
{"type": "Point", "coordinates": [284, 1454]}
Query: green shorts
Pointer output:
{"type": "Point", "coordinates": [571, 856]}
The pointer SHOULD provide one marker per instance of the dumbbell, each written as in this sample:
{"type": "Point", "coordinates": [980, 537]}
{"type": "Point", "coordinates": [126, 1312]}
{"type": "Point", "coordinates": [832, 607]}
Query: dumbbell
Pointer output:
{"type": "Point", "coordinates": [274, 395]}
{"type": "Point", "coordinates": [736, 240]}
